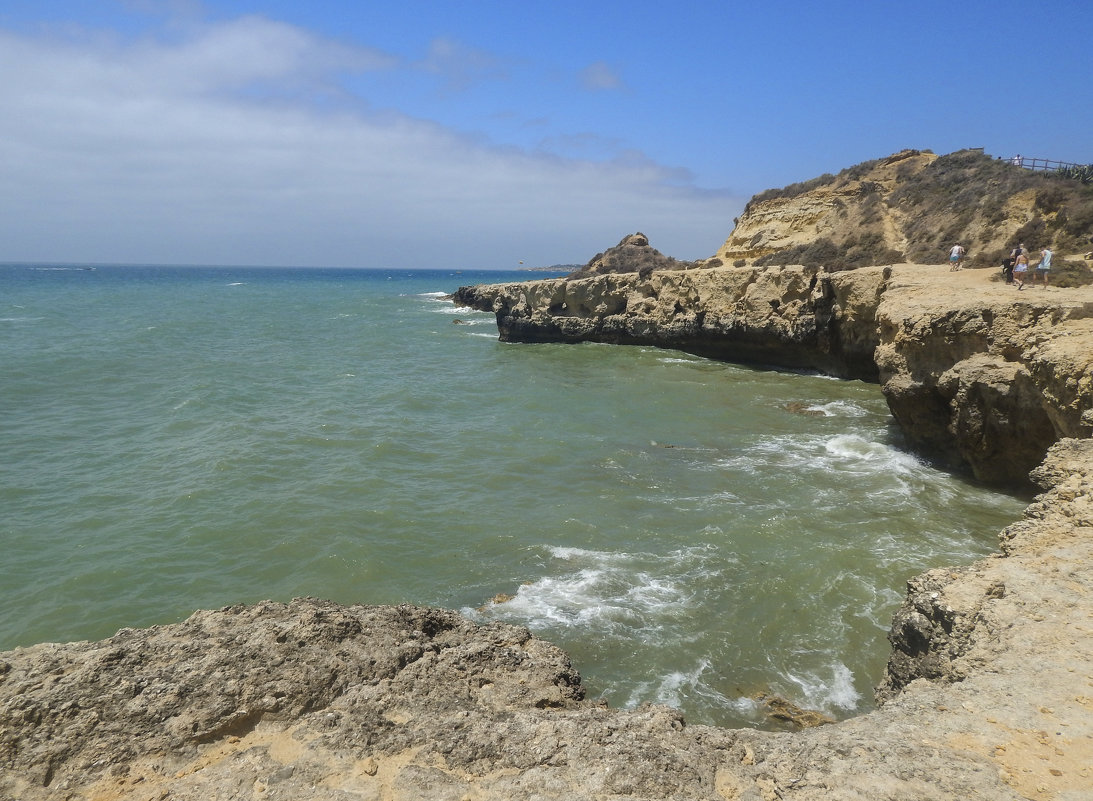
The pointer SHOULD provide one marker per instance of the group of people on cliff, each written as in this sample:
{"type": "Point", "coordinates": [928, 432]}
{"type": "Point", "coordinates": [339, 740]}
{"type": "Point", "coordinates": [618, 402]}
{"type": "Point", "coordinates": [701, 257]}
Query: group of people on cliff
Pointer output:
{"type": "Point", "coordinates": [1015, 268]}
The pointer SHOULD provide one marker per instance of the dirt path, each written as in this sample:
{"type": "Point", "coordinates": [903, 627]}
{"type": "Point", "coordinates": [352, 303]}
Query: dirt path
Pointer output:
{"type": "Point", "coordinates": [982, 283]}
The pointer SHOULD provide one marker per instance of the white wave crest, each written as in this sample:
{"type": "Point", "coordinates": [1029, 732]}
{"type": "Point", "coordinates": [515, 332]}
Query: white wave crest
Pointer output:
{"type": "Point", "coordinates": [463, 311]}
{"type": "Point", "coordinates": [839, 408]}
{"type": "Point", "coordinates": [827, 693]}
{"type": "Point", "coordinates": [611, 593]}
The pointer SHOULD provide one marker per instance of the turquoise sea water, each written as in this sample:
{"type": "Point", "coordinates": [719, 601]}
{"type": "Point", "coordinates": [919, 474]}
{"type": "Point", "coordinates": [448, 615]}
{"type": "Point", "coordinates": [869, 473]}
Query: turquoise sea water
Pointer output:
{"type": "Point", "coordinates": [182, 438]}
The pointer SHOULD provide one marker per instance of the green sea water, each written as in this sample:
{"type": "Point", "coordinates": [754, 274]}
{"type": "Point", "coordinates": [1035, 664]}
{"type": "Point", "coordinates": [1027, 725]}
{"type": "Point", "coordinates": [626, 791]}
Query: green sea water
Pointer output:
{"type": "Point", "coordinates": [181, 438]}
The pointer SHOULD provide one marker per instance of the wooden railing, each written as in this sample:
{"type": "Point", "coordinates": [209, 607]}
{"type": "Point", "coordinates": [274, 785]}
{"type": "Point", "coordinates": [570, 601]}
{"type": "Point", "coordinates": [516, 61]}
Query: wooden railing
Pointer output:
{"type": "Point", "coordinates": [1040, 164]}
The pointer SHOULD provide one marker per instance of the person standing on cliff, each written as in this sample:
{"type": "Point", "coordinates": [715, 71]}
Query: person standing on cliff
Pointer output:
{"type": "Point", "coordinates": [956, 257]}
{"type": "Point", "coordinates": [1009, 263]}
{"type": "Point", "coordinates": [1043, 267]}
{"type": "Point", "coordinates": [1020, 267]}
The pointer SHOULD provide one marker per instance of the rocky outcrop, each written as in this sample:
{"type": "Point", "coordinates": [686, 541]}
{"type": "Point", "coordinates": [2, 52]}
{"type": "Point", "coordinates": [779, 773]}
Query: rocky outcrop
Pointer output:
{"type": "Point", "coordinates": [793, 317]}
{"type": "Point", "coordinates": [978, 375]}
{"type": "Point", "coordinates": [984, 375]}
{"type": "Point", "coordinates": [834, 208]}
{"type": "Point", "coordinates": [147, 707]}
{"type": "Point", "coordinates": [989, 696]}
{"type": "Point", "coordinates": [633, 254]}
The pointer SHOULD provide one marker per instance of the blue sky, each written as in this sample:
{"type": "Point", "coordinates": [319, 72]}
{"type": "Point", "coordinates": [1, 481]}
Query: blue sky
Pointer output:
{"type": "Point", "coordinates": [421, 134]}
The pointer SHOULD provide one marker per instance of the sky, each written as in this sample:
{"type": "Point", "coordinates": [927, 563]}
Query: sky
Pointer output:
{"type": "Point", "coordinates": [490, 135]}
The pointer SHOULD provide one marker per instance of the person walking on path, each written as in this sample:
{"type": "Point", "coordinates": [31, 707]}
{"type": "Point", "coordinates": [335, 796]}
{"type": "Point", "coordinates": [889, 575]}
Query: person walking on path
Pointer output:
{"type": "Point", "coordinates": [956, 257]}
{"type": "Point", "coordinates": [1014, 254]}
{"type": "Point", "coordinates": [1020, 268]}
{"type": "Point", "coordinates": [1043, 267]}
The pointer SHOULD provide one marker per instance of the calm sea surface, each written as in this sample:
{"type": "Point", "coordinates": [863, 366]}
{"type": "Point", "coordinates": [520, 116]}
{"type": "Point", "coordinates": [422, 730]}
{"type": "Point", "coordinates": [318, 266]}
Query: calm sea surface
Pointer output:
{"type": "Point", "coordinates": [182, 438]}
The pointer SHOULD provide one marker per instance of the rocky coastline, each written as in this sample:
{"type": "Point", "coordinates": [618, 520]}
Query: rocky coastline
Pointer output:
{"type": "Point", "coordinates": [988, 692]}
{"type": "Point", "coordinates": [989, 695]}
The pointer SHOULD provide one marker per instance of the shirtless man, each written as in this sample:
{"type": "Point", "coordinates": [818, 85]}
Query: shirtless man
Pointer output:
{"type": "Point", "coordinates": [956, 257]}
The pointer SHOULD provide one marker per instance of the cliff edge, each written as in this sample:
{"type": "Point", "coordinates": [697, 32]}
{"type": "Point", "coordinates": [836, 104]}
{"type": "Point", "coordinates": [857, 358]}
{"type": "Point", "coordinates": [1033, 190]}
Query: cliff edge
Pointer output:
{"type": "Point", "coordinates": [978, 375]}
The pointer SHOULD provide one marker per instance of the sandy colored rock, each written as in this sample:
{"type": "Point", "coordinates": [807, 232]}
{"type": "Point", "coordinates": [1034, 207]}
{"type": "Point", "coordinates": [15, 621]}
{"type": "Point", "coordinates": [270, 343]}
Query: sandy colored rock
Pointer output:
{"type": "Point", "coordinates": [912, 206]}
{"type": "Point", "coordinates": [833, 210]}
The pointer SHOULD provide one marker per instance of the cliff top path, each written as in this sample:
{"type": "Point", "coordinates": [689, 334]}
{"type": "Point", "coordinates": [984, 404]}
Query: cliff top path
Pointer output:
{"type": "Point", "coordinates": [937, 285]}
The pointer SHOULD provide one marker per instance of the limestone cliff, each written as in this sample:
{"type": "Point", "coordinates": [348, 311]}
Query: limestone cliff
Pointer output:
{"type": "Point", "coordinates": [912, 206]}
{"type": "Point", "coordinates": [977, 374]}
{"type": "Point", "coordinates": [793, 317]}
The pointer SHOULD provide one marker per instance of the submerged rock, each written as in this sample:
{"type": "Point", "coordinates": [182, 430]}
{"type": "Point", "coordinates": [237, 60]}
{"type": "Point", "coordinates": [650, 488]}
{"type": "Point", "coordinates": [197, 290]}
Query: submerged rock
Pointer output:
{"type": "Point", "coordinates": [799, 407]}
{"type": "Point", "coordinates": [782, 709]}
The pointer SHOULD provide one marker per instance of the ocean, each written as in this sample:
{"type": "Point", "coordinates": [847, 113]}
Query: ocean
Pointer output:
{"type": "Point", "coordinates": [691, 532]}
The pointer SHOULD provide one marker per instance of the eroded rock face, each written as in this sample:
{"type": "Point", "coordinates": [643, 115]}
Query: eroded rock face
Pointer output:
{"type": "Point", "coordinates": [910, 206]}
{"type": "Point", "coordinates": [371, 680]}
{"type": "Point", "coordinates": [791, 317]}
{"type": "Point", "coordinates": [977, 375]}
{"type": "Point", "coordinates": [835, 210]}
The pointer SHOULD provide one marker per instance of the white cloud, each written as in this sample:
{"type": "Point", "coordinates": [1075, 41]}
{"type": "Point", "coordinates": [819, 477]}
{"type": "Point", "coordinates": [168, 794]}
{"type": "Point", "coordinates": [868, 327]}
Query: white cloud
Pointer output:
{"type": "Point", "coordinates": [220, 148]}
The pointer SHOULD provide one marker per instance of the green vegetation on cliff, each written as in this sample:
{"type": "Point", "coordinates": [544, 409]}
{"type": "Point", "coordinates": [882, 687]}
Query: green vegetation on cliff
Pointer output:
{"type": "Point", "coordinates": [914, 206]}
{"type": "Point", "coordinates": [964, 197]}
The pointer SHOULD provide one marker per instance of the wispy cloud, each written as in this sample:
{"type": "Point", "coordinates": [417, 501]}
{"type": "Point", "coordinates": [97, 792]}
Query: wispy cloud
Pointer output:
{"type": "Point", "coordinates": [221, 146]}
{"type": "Point", "coordinates": [599, 77]}
{"type": "Point", "coordinates": [461, 66]}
